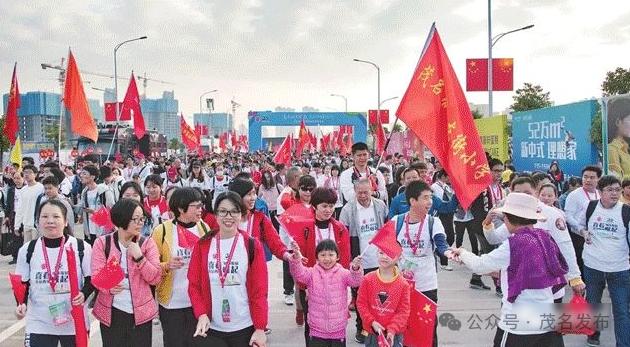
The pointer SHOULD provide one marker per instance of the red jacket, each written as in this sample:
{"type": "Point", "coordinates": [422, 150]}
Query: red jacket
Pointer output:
{"type": "Point", "coordinates": [393, 312]}
{"type": "Point", "coordinates": [306, 241]}
{"type": "Point", "coordinates": [211, 220]}
{"type": "Point", "coordinates": [257, 286]}
{"type": "Point", "coordinates": [264, 231]}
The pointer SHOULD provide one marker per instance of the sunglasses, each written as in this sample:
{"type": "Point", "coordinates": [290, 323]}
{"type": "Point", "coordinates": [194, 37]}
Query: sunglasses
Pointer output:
{"type": "Point", "coordinates": [307, 189]}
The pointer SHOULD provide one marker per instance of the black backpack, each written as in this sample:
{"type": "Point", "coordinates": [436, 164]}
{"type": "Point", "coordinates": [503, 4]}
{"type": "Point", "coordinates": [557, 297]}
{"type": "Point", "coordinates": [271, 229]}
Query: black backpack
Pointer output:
{"type": "Point", "coordinates": [31, 248]}
{"type": "Point", "coordinates": [400, 219]}
{"type": "Point", "coordinates": [625, 215]}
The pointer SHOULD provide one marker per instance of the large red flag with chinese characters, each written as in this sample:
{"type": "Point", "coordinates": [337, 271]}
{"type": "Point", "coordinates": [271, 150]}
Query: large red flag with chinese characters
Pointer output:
{"type": "Point", "coordinates": [435, 109]}
{"type": "Point", "coordinates": [131, 105]}
{"type": "Point", "coordinates": [189, 136]}
{"type": "Point", "coordinates": [421, 320]}
{"type": "Point", "coordinates": [283, 156]}
{"type": "Point", "coordinates": [502, 74]}
{"type": "Point", "coordinates": [11, 123]}
{"type": "Point", "coordinates": [75, 101]}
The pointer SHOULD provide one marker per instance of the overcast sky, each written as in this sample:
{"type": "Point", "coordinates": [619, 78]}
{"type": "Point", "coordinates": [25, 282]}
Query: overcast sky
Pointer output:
{"type": "Point", "coordinates": [296, 53]}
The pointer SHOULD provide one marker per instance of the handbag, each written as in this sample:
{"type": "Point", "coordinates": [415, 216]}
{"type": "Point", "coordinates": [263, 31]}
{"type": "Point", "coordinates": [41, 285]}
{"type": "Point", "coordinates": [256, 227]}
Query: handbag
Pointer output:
{"type": "Point", "coordinates": [577, 318]}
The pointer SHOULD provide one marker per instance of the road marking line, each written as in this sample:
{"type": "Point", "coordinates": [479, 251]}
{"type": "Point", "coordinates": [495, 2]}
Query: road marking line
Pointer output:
{"type": "Point", "coordinates": [10, 331]}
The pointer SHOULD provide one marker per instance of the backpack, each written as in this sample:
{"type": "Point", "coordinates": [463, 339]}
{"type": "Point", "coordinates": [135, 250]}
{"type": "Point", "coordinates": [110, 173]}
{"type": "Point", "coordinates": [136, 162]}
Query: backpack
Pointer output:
{"type": "Point", "coordinates": [108, 244]}
{"type": "Point", "coordinates": [625, 215]}
{"type": "Point", "coordinates": [31, 248]}
{"type": "Point", "coordinates": [400, 219]}
{"type": "Point", "coordinates": [37, 208]}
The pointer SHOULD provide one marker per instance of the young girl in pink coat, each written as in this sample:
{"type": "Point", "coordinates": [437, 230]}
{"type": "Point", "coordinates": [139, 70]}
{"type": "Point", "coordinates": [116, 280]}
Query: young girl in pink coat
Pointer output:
{"type": "Point", "coordinates": [327, 284]}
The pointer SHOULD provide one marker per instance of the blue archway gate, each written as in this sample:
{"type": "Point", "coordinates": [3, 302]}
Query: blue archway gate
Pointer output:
{"type": "Point", "coordinates": [260, 119]}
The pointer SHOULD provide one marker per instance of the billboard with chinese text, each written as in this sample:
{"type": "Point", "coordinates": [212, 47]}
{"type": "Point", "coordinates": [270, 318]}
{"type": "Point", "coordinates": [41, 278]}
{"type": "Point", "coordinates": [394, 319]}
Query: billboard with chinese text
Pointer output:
{"type": "Point", "coordinates": [617, 113]}
{"type": "Point", "coordinates": [558, 133]}
{"type": "Point", "coordinates": [405, 143]}
{"type": "Point", "coordinates": [494, 135]}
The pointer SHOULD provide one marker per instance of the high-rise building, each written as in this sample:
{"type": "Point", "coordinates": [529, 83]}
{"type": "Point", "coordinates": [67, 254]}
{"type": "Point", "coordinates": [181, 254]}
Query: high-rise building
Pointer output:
{"type": "Point", "coordinates": [40, 110]}
{"type": "Point", "coordinates": [217, 123]}
{"type": "Point", "coordinates": [162, 115]}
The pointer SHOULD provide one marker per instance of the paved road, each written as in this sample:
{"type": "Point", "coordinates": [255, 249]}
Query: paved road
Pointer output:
{"type": "Point", "coordinates": [454, 297]}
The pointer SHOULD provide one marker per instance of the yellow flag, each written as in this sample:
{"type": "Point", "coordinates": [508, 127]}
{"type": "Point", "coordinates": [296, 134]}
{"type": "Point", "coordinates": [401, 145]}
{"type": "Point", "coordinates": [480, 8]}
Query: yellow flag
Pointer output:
{"type": "Point", "coordinates": [16, 152]}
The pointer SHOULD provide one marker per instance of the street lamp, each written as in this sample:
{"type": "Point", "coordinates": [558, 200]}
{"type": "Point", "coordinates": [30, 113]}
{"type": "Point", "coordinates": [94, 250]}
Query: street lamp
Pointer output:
{"type": "Point", "coordinates": [202, 95]}
{"type": "Point", "coordinates": [344, 99]}
{"type": "Point", "coordinates": [378, 76]}
{"type": "Point", "coordinates": [388, 99]}
{"type": "Point", "coordinates": [209, 112]}
{"type": "Point", "coordinates": [491, 42]}
{"type": "Point", "coordinates": [116, 89]}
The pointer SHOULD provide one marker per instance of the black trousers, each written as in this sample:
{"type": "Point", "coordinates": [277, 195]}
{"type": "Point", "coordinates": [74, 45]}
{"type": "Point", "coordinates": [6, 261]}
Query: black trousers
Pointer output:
{"type": "Point", "coordinates": [578, 245]}
{"type": "Point", "coordinates": [319, 342]}
{"type": "Point", "coordinates": [478, 243]}
{"type": "Point", "coordinates": [460, 229]}
{"type": "Point", "coordinates": [178, 326]}
{"type": "Point", "coordinates": [42, 340]}
{"type": "Point", "coordinates": [123, 331]}
{"type": "Point", "coordinates": [354, 295]}
{"type": "Point", "coordinates": [307, 329]}
{"type": "Point", "coordinates": [287, 280]}
{"type": "Point", "coordinates": [447, 222]}
{"type": "Point", "coordinates": [506, 339]}
{"type": "Point", "coordinates": [433, 295]}
{"type": "Point", "coordinates": [239, 338]}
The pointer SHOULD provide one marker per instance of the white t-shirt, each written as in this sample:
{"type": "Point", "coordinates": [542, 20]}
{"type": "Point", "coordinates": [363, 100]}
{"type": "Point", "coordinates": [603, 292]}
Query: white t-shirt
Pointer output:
{"type": "Point", "coordinates": [576, 204]}
{"type": "Point", "coordinates": [219, 186]}
{"type": "Point", "coordinates": [122, 300]}
{"type": "Point", "coordinates": [422, 264]}
{"type": "Point", "coordinates": [234, 293]}
{"type": "Point", "coordinates": [609, 250]}
{"type": "Point", "coordinates": [324, 234]}
{"type": "Point", "coordinates": [92, 196]}
{"type": "Point", "coordinates": [41, 297]}
{"type": "Point", "coordinates": [366, 220]}
{"type": "Point", "coordinates": [179, 294]}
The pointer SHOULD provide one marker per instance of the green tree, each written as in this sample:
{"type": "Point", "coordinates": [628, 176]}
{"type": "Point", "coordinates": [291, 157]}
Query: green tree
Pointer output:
{"type": "Point", "coordinates": [616, 82]}
{"type": "Point", "coordinates": [4, 140]}
{"type": "Point", "coordinates": [174, 144]}
{"type": "Point", "coordinates": [398, 128]}
{"type": "Point", "coordinates": [596, 129]}
{"type": "Point", "coordinates": [51, 132]}
{"type": "Point", "coordinates": [530, 97]}
{"type": "Point", "coordinates": [477, 114]}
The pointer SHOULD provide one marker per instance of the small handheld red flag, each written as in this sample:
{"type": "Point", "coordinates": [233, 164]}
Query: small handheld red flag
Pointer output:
{"type": "Point", "coordinates": [385, 240]}
{"type": "Point", "coordinates": [421, 320]}
{"type": "Point", "coordinates": [19, 288]}
{"type": "Point", "coordinates": [382, 340]}
{"type": "Point", "coordinates": [78, 316]}
{"type": "Point", "coordinates": [283, 155]}
{"type": "Point", "coordinates": [109, 276]}
{"type": "Point", "coordinates": [103, 219]}
{"type": "Point", "coordinates": [295, 219]}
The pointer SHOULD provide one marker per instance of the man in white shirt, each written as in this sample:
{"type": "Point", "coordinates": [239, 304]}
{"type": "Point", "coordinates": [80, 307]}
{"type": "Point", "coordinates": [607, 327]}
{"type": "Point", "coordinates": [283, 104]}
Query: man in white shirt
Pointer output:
{"type": "Point", "coordinates": [389, 164]}
{"type": "Point", "coordinates": [443, 191]}
{"type": "Point", "coordinates": [604, 226]}
{"type": "Point", "coordinates": [361, 155]}
{"type": "Point", "coordinates": [92, 198]}
{"type": "Point", "coordinates": [219, 182]}
{"type": "Point", "coordinates": [28, 200]}
{"type": "Point", "coordinates": [144, 168]}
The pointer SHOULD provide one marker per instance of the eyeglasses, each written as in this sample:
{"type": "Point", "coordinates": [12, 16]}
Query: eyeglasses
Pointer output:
{"type": "Point", "coordinates": [232, 213]}
{"type": "Point", "coordinates": [196, 206]}
{"type": "Point", "coordinates": [139, 220]}
{"type": "Point", "coordinates": [612, 190]}
{"type": "Point", "coordinates": [307, 189]}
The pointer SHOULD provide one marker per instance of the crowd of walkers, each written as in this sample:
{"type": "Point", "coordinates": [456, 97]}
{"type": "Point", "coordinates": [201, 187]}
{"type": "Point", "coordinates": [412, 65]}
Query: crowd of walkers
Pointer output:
{"type": "Point", "coordinates": [193, 237]}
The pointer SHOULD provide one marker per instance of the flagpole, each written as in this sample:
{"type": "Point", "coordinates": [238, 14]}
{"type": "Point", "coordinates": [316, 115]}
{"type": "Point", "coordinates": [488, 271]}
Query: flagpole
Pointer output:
{"type": "Point", "coordinates": [62, 107]}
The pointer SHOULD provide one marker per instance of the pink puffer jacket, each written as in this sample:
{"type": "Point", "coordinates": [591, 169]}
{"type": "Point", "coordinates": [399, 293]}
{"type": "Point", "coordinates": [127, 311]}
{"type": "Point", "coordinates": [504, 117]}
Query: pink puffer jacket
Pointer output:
{"type": "Point", "coordinates": [327, 297]}
{"type": "Point", "coordinates": [141, 278]}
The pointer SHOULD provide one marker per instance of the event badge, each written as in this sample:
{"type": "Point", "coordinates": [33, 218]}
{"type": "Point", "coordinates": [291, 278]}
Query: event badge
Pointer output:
{"type": "Point", "coordinates": [225, 311]}
{"type": "Point", "coordinates": [232, 280]}
{"type": "Point", "coordinates": [59, 312]}
{"type": "Point", "coordinates": [407, 267]}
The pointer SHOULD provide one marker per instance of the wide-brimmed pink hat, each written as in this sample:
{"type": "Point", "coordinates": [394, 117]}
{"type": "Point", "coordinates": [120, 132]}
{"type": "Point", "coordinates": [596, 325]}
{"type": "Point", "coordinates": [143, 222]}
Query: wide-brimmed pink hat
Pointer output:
{"type": "Point", "coordinates": [521, 205]}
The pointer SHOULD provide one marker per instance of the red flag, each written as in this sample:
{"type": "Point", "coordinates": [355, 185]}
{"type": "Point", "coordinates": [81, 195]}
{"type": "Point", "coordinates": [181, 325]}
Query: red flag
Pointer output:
{"type": "Point", "coordinates": [110, 111]}
{"type": "Point", "coordinates": [109, 276]}
{"type": "Point", "coordinates": [75, 101]}
{"type": "Point", "coordinates": [201, 129]}
{"type": "Point", "coordinates": [189, 137]}
{"type": "Point", "coordinates": [11, 123]}
{"type": "Point", "coordinates": [349, 141]}
{"type": "Point", "coordinates": [130, 105]}
{"type": "Point", "coordinates": [303, 139]}
{"type": "Point", "coordinates": [421, 320]}
{"type": "Point", "coordinates": [233, 139]}
{"type": "Point", "coordinates": [380, 136]}
{"type": "Point", "coordinates": [477, 74]}
{"type": "Point", "coordinates": [223, 141]}
{"type": "Point", "coordinates": [385, 240]}
{"type": "Point", "coordinates": [283, 155]}
{"type": "Point", "coordinates": [19, 288]}
{"type": "Point", "coordinates": [435, 109]}
{"type": "Point", "coordinates": [78, 315]}
{"type": "Point", "coordinates": [186, 239]}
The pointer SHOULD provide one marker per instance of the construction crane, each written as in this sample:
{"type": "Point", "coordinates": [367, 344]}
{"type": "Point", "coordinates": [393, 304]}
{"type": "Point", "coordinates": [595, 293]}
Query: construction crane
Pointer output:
{"type": "Point", "coordinates": [144, 80]}
{"type": "Point", "coordinates": [234, 106]}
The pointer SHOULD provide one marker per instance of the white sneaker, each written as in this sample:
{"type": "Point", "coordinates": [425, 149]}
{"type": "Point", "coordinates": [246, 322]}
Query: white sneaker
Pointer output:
{"type": "Point", "coordinates": [289, 299]}
{"type": "Point", "coordinates": [446, 267]}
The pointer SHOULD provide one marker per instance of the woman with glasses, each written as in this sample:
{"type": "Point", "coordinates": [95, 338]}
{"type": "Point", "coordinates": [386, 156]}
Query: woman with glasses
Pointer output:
{"type": "Point", "coordinates": [228, 282]}
{"type": "Point", "coordinates": [132, 190]}
{"type": "Point", "coordinates": [176, 314]}
{"type": "Point", "coordinates": [197, 176]}
{"type": "Point", "coordinates": [126, 311]}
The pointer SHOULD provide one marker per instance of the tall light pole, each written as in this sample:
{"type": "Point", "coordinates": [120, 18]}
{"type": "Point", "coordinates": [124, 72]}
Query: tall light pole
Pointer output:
{"type": "Point", "coordinates": [204, 94]}
{"type": "Point", "coordinates": [388, 99]}
{"type": "Point", "coordinates": [116, 90]}
{"type": "Point", "coordinates": [491, 42]}
{"type": "Point", "coordinates": [378, 77]}
{"type": "Point", "coordinates": [345, 100]}
{"type": "Point", "coordinates": [209, 112]}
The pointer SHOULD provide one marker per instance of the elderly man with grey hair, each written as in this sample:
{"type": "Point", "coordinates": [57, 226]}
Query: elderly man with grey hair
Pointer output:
{"type": "Point", "coordinates": [364, 215]}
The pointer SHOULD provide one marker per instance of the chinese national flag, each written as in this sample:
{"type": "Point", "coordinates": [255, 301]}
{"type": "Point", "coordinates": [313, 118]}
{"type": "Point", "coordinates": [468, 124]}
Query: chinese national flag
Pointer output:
{"type": "Point", "coordinates": [11, 123]}
{"type": "Point", "coordinates": [435, 109]}
{"type": "Point", "coordinates": [75, 101]}
{"type": "Point", "coordinates": [502, 74]}
{"type": "Point", "coordinates": [110, 111]}
{"type": "Point", "coordinates": [189, 136]}
{"type": "Point", "coordinates": [130, 105]}
{"type": "Point", "coordinates": [233, 139]}
{"type": "Point", "coordinates": [421, 320]}
{"type": "Point", "coordinates": [303, 139]}
{"type": "Point", "coordinates": [202, 129]}
{"type": "Point", "coordinates": [380, 136]}
{"type": "Point", "coordinates": [340, 135]}
{"type": "Point", "coordinates": [283, 155]}
{"type": "Point", "coordinates": [222, 141]}
{"type": "Point", "coordinates": [385, 240]}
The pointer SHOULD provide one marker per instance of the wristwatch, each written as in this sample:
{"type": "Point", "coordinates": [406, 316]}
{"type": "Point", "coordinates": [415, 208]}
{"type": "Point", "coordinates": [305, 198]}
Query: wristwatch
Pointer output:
{"type": "Point", "coordinates": [137, 260]}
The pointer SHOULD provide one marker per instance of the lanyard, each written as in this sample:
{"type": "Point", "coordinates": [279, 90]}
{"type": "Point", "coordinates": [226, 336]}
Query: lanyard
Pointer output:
{"type": "Point", "coordinates": [588, 197]}
{"type": "Point", "coordinates": [223, 274]}
{"type": "Point", "coordinates": [53, 277]}
{"type": "Point", "coordinates": [319, 232]}
{"type": "Point", "coordinates": [497, 194]}
{"type": "Point", "coordinates": [250, 222]}
{"type": "Point", "coordinates": [334, 182]}
{"type": "Point", "coordinates": [414, 245]}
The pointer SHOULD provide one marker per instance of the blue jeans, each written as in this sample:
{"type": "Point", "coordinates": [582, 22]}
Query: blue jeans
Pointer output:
{"type": "Point", "coordinates": [619, 290]}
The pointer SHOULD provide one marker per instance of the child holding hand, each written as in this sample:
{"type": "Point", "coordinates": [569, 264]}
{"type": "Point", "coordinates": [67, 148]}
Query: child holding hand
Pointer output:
{"type": "Point", "coordinates": [327, 285]}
